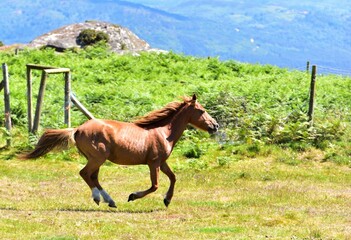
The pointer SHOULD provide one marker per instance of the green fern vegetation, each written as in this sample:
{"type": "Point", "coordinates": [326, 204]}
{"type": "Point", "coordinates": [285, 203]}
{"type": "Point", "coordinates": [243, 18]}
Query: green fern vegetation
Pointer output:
{"type": "Point", "coordinates": [268, 173]}
{"type": "Point", "coordinates": [257, 106]}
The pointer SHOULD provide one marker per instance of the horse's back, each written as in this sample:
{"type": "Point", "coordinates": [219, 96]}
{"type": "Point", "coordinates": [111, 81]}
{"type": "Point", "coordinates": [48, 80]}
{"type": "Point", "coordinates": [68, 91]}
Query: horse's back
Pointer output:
{"type": "Point", "coordinates": [120, 142]}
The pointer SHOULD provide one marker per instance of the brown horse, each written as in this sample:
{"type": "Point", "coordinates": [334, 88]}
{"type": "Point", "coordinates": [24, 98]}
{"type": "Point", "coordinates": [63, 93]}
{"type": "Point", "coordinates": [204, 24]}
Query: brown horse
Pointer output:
{"type": "Point", "coordinates": [149, 140]}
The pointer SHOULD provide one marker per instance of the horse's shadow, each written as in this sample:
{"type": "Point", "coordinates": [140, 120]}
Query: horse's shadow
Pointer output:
{"type": "Point", "coordinates": [82, 210]}
{"type": "Point", "coordinates": [110, 210]}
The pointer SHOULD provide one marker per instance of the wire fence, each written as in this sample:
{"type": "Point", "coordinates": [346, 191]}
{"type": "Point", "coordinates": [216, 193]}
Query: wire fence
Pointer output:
{"type": "Point", "coordinates": [337, 71]}
{"type": "Point", "coordinates": [326, 70]}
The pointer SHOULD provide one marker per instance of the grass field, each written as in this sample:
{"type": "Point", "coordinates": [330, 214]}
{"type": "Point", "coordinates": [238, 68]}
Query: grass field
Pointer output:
{"type": "Point", "coordinates": [251, 198]}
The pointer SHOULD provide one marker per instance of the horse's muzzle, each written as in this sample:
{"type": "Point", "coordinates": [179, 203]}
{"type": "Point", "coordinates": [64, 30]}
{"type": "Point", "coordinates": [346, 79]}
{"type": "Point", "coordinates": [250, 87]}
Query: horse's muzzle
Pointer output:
{"type": "Point", "coordinates": [213, 128]}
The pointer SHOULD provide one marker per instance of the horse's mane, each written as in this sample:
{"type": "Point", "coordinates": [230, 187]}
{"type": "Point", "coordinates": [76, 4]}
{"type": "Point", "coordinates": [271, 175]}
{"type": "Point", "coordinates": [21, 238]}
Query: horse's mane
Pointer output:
{"type": "Point", "coordinates": [157, 116]}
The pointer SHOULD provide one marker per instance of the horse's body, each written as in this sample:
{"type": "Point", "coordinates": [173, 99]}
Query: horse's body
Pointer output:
{"type": "Point", "coordinates": [149, 140]}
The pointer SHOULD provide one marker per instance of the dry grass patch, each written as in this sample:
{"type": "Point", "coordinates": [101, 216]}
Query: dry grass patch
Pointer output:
{"type": "Point", "coordinates": [46, 199]}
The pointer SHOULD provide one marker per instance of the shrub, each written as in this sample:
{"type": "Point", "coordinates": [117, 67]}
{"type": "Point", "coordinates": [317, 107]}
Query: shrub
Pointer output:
{"type": "Point", "coordinates": [192, 151]}
{"type": "Point", "coordinates": [90, 37]}
{"type": "Point", "coordinates": [1, 44]}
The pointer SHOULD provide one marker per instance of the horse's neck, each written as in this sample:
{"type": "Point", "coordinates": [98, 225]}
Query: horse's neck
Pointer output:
{"type": "Point", "coordinates": [176, 127]}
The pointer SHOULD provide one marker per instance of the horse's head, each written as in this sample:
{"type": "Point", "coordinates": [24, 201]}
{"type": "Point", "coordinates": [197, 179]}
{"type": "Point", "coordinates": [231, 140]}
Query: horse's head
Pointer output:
{"type": "Point", "coordinates": [200, 118]}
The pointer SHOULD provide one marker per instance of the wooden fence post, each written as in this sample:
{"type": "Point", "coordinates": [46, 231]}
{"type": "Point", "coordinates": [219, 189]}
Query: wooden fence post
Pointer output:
{"type": "Point", "coordinates": [67, 99]}
{"type": "Point", "coordinates": [7, 101]}
{"type": "Point", "coordinates": [312, 94]}
{"type": "Point", "coordinates": [46, 70]}
{"type": "Point", "coordinates": [308, 67]}
{"type": "Point", "coordinates": [44, 76]}
{"type": "Point", "coordinates": [29, 99]}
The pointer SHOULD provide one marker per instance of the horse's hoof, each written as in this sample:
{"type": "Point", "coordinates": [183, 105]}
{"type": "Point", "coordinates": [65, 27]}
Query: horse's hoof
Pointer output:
{"type": "Point", "coordinates": [97, 201]}
{"type": "Point", "coordinates": [132, 197]}
{"type": "Point", "coordinates": [112, 204]}
{"type": "Point", "coordinates": [166, 202]}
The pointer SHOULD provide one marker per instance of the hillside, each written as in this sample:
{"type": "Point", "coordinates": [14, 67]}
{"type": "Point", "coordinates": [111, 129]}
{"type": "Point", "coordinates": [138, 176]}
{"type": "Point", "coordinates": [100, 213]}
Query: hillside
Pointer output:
{"type": "Point", "coordinates": [282, 33]}
{"type": "Point", "coordinates": [255, 104]}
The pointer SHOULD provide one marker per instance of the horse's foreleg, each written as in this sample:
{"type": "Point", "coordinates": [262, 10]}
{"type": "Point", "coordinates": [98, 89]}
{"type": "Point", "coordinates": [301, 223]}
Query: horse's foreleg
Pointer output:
{"type": "Point", "coordinates": [172, 178]}
{"type": "Point", "coordinates": [154, 175]}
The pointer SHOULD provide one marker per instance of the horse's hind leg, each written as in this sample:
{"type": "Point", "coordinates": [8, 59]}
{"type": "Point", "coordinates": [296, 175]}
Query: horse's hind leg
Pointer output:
{"type": "Point", "coordinates": [96, 156]}
{"type": "Point", "coordinates": [86, 173]}
{"type": "Point", "coordinates": [90, 175]}
{"type": "Point", "coordinates": [104, 194]}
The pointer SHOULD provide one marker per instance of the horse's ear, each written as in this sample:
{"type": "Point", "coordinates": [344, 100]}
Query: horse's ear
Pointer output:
{"type": "Point", "coordinates": [193, 100]}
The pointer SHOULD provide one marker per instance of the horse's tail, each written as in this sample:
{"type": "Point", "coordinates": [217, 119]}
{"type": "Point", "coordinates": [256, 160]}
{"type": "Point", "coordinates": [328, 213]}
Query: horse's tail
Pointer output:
{"type": "Point", "coordinates": [51, 139]}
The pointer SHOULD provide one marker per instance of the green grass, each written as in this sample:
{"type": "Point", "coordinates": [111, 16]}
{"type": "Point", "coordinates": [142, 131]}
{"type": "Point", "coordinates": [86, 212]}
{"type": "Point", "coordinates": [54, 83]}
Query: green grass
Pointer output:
{"type": "Point", "coordinates": [46, 199]}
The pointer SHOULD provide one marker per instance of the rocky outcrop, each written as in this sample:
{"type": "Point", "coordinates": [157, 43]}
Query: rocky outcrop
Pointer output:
{"type": "Point", "coordinates": [120, 39]}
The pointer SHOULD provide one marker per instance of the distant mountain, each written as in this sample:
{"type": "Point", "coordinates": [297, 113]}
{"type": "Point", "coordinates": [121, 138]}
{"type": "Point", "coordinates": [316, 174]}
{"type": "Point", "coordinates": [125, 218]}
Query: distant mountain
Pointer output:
{"type": "Point", "coordinates": [283, 33]}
